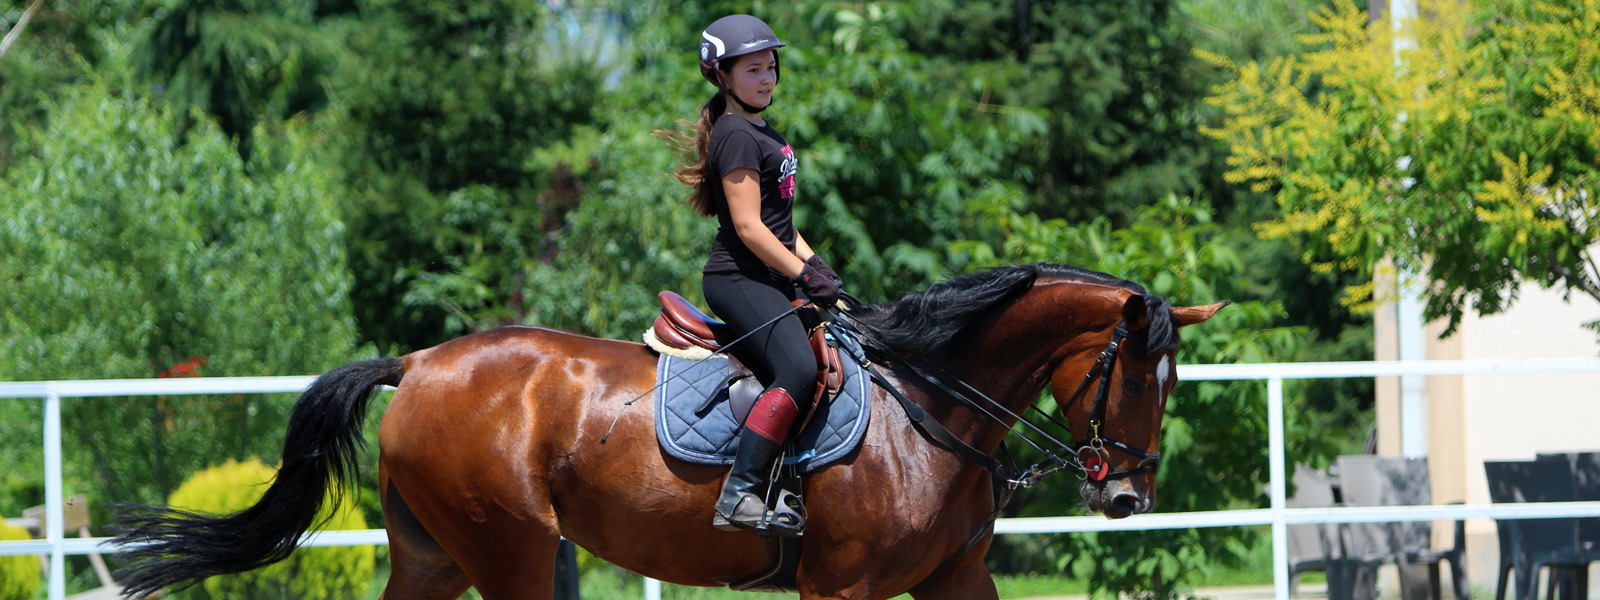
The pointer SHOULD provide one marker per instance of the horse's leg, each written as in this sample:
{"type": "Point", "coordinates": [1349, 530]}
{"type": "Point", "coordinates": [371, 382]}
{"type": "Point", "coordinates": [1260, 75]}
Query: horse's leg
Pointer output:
{"type": "Point", "coordinates": [968, 579]}
{"type": "Point", "coordinates": [529, 572]}
{"type": "Point", "coordinates": [472, 479]}
{"type": "Point", "coordinates": [419, 568]}
{"type": "Point", "coordinates": [476, 543]}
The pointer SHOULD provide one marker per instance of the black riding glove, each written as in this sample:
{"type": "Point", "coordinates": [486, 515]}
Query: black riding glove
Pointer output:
{"type": "Point", "coordinates": [815, 262]}
{"type": "Point", "coordinates": [818, 285]}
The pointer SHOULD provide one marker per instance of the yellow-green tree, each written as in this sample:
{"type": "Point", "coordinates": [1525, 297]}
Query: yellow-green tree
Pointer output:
{"type": "Point", "coordinates": [19, 575]}
{"type": "Point", "coordinates": [1468, 156]}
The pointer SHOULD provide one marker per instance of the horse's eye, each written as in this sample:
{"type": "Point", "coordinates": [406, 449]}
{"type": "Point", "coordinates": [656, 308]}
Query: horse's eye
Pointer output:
{"type": "Point", "coordinates": [1133, 386]}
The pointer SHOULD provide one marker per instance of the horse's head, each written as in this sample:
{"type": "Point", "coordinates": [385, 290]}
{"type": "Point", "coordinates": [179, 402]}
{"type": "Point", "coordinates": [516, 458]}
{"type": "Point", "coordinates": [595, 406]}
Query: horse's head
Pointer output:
{"type": "Point", "coordinates": [1011, 331]}
{"type": "Point", "coordinates": [1114, 390]}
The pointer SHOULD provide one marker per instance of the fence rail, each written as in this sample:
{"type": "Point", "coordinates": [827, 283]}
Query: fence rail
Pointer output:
{"type": "Point", "coordinates": [1277, 516]}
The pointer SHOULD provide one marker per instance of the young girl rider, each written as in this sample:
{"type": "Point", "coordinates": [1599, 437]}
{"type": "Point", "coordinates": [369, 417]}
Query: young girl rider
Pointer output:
{"type": "Point", "coordinates": [744, 173]}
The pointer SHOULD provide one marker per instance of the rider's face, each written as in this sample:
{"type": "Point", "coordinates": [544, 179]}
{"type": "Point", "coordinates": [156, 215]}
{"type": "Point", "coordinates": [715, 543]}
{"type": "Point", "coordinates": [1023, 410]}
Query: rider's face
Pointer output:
{"type": "Point", "coordinates": [753, 77]}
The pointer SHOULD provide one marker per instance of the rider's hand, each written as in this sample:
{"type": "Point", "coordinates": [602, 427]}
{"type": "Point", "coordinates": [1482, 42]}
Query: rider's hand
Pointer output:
{"type": "Point", "coordinates": [815, 262]}
{"type": "Point", "coordinates": [822, 289]}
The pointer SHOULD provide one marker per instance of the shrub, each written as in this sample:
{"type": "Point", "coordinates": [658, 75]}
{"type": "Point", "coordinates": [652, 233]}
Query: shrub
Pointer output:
{"type": "Point", "coordinates": [308, 574]}
{"type": "Point", "coordinates": [19, 575]}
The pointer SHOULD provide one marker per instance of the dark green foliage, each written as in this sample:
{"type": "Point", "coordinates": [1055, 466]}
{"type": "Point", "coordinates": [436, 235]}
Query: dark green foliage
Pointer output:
{"type": "Point", "coordinates": [237, 61]}
{"type": "Point", "coordinates": [59, 47]}
{"type": "Point", "coordinates": [448, 208]}
{"type": "Point", "coordinates": [128, 256]}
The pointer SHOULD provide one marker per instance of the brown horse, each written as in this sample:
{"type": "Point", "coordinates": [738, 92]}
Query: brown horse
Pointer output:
{"type": "Point", "coordinates": [491, 450]}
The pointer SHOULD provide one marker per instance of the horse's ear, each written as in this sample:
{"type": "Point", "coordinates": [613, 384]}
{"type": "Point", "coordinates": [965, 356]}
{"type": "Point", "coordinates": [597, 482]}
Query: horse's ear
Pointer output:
{"type": "Point", "coordinates": [1136, 313]}
{"type": "Point", "coordinates": [1189, 315]}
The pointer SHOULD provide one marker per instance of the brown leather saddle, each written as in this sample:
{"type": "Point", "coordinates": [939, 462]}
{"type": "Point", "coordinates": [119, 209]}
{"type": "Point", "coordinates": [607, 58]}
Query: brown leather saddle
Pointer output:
{"type": "Point", "coordinates": [683, 325]}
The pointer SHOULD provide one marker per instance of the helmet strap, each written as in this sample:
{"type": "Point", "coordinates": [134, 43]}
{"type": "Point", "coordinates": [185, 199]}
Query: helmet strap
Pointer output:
{"type": "Point", "coordinates": [727, 90]}
{"type": "Point", "coordinates": [747, 108]}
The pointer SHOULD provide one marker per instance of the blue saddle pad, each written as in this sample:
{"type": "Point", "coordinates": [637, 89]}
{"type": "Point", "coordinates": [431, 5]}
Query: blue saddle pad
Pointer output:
{"type": "Point", "coordinates": [711, 438]}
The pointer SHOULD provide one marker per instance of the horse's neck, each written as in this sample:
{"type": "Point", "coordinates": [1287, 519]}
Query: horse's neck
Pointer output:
{"type": "Point", "coordinates": [1013, 359]}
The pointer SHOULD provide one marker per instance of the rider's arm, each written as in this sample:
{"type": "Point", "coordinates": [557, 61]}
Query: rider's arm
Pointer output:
{"type": "Point", "coordinates": [743, 189]}
{"type": "Point", "coordinates": [802, 250]}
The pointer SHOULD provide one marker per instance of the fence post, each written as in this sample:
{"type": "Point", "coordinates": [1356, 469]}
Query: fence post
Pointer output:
{"type": "Point", "coordinates": [53, 495]}
{"type": "Point", "coordinates": [1279, 481]}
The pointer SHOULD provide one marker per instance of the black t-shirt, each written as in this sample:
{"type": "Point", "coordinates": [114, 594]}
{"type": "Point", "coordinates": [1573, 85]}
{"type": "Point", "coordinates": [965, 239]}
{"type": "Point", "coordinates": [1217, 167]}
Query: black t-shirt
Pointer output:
{"type": "Point", "coordinates": [736, 143]}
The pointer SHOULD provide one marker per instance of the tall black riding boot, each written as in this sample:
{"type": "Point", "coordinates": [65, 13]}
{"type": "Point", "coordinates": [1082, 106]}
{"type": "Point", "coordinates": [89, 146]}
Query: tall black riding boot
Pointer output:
{"type": "Point", "coordinates": [741, 504]}
{"type": "Point", "coordinates": [743, 500]}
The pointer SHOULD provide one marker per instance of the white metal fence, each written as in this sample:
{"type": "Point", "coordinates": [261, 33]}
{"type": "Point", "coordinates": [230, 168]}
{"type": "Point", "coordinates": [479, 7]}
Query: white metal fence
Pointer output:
{"type": "Point", "coordinates": [57, 546]}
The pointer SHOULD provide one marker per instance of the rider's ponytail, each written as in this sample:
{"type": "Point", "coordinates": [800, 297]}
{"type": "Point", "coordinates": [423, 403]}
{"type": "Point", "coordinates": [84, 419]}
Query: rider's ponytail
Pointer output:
{"type": "Point", "coordinates": [692, 146]}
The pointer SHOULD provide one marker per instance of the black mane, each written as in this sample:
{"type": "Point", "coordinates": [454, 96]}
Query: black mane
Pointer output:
{"type": "Point", "coordinates": [938, 320]}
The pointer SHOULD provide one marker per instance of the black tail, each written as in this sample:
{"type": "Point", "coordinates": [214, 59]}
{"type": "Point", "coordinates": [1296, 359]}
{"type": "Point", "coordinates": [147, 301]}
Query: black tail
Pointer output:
{"type": "Point", "coordinates": [179, 548]}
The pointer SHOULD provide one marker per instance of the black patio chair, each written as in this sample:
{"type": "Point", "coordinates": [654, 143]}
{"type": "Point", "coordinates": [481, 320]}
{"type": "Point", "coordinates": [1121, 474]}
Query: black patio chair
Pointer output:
{"type": "Point", "coordinates": [1395, 481]}
{"type": "Point", "coordinates": [1586, 482]}
{"type": "Point", "coordinates": [1586, 485]}
{"type": "Point", "coordinates": [1310, 545]}
{"type": "Point", "coordinates": [1538, 543]}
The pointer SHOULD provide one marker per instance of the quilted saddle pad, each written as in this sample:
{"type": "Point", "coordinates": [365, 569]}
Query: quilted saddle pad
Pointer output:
{"type": "Point", "coordinates": [711, 437]}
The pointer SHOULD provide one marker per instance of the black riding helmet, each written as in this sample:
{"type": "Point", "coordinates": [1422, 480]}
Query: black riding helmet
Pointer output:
{"type": "Point", "coordinates": [731, 37]}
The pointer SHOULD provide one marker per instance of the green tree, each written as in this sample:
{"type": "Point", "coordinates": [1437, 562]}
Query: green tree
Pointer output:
{"type": "Point", "coordinates": [60, 45]}
{"type": "Point", "coordinates": [448, 105]}
{"type": "Point", "coordinates": [237, 61]}
{"type": "Point", "coordinates": [1472, 162]}
{"type": "Point", "coordinates": [129, 256]}
{"type": "Point", "coordinates": [1250, 30]}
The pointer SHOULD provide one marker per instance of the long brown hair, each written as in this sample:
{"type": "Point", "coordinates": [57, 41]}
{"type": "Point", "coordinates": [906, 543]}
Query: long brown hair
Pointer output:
{"type": "Point", "coordinates": [691, 146]}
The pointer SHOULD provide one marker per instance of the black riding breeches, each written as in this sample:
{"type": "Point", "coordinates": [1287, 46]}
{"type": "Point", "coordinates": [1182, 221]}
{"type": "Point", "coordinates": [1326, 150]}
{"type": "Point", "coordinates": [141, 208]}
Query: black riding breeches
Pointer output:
{"type": "Point", "coordinates": [780, 355]}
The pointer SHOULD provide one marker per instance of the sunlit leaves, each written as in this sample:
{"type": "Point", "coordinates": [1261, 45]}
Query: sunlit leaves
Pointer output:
{"type": "Point", "coordinates": [1376, 153]}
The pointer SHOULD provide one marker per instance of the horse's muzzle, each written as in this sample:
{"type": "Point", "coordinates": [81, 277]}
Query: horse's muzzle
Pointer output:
{"type": "Point", "coordinates": [1115, 499]}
